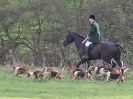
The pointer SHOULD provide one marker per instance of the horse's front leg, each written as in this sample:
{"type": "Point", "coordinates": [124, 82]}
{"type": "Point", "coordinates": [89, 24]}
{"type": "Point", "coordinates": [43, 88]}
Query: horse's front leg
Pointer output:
{"type": "Point", "coordinates": [81, 62]}
{"type": "Point", "coordinates": [88, 63]}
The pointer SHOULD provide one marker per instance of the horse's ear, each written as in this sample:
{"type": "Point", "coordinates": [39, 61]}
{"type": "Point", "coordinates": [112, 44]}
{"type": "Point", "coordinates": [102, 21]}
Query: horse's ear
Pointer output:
{"type": "Point", "coordinates": [68, 32]}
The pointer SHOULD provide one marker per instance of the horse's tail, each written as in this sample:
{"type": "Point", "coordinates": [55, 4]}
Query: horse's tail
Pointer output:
{"type": "Point", "coordinates": [121, 48]}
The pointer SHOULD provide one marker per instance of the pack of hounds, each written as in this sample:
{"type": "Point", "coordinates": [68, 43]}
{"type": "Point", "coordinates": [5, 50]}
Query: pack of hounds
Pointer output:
{"type": "Point", "coordinates": [108, 73]}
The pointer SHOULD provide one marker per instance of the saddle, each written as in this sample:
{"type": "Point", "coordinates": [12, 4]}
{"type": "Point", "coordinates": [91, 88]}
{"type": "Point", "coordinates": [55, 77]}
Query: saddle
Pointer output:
{"type": "Point", "coordinates": [93, 45]}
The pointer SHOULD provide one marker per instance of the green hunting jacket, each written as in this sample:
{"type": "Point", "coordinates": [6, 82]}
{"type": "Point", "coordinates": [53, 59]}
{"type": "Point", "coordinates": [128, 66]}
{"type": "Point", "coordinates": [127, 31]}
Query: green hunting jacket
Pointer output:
{"type": "Point", "coordinates": [94, 35]}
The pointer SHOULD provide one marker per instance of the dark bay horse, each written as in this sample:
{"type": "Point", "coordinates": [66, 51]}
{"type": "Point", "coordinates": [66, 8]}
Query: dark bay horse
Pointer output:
{"type": "Point", "coordinates": [102, 50]}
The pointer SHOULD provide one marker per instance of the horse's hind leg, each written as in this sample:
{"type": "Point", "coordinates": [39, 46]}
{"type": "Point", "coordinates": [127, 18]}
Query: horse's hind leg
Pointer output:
{"type": "Point", "coordinates": [118, 62]}
{"type": "Point", "coordinates": [117, 58]}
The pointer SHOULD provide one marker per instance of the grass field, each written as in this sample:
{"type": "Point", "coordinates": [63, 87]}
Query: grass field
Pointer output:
{"type": "Point", "coordinates": [26, 88]}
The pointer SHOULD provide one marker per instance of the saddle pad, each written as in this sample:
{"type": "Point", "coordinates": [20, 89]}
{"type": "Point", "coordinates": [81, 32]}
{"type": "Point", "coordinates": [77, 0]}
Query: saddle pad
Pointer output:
{"type": "Point", "coordinates": [88, 43]}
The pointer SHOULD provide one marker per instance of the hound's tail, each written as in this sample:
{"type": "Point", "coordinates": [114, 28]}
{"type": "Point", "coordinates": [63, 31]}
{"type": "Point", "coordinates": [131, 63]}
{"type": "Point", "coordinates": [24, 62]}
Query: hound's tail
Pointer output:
{"type": "Point", "coordinates": [125, 69]}
{"type": "Point", "coordinates": [121, 48]}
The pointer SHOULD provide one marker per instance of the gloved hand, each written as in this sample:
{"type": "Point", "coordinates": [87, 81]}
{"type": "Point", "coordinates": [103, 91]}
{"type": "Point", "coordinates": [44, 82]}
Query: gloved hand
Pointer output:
{"type": "Point", "coordinates": [87, 37]}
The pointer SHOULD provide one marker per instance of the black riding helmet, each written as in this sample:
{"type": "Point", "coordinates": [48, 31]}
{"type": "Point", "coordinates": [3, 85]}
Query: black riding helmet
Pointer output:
{"type": "Point", "coordinates": [92, 17]}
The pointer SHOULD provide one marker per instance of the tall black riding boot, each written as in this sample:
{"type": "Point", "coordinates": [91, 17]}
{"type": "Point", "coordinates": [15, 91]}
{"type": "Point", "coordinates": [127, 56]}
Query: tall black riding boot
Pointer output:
{"type": "Point", "coordinates": [86, 53]}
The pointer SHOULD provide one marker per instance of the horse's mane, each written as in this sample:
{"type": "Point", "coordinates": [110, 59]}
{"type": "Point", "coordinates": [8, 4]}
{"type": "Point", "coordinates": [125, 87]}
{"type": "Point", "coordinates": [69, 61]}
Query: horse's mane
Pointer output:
{"type": "Point", "coordinates": [74, 33]}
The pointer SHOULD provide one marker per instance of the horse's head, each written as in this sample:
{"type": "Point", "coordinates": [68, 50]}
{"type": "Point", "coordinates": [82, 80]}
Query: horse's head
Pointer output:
{"type": "Point", "coordinates": [68, 40]}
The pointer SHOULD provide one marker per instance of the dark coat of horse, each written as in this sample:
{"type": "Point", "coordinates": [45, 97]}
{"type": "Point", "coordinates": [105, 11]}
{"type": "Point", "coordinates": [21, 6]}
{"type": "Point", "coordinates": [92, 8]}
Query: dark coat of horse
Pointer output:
{"type": "Point", "coordinates": [102, 50]}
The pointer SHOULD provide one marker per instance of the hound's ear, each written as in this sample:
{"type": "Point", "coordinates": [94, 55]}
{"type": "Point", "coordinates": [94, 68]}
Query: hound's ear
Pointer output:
{"type": "Point", "coordinates": [51, 68]}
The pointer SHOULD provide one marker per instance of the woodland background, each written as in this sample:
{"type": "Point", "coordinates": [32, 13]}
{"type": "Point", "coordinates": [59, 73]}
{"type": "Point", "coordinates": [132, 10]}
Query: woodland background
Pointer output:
{"type": "Point", "coordinates": [32, 31]}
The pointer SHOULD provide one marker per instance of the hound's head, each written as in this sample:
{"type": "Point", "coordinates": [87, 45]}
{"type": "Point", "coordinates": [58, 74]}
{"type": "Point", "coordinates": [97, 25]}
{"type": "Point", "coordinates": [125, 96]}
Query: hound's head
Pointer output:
{"type": "Point", "coordinates": [91, 68]}
{"type": "Point", "coordinates": [43, 69]}
{"type": "Point", "coordinates": [49, 69]}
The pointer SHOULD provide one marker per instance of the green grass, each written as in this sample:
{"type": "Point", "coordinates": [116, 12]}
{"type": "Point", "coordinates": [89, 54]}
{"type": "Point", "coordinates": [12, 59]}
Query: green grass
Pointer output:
{"type": "Point", "coordinates": [26, 88]}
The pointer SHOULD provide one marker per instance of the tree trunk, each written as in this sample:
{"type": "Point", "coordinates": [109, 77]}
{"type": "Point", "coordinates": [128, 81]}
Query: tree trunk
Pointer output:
{"type": "Point", "coordinates": [37, 57]}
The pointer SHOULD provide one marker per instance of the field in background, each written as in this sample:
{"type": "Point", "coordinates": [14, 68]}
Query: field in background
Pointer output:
{"type": "Point", "coordinates": [26, 88]}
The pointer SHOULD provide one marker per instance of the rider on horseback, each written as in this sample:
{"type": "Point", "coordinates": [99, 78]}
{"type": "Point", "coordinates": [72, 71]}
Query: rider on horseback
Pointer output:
{"type": "Point", "coordinates": [93, 37]}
